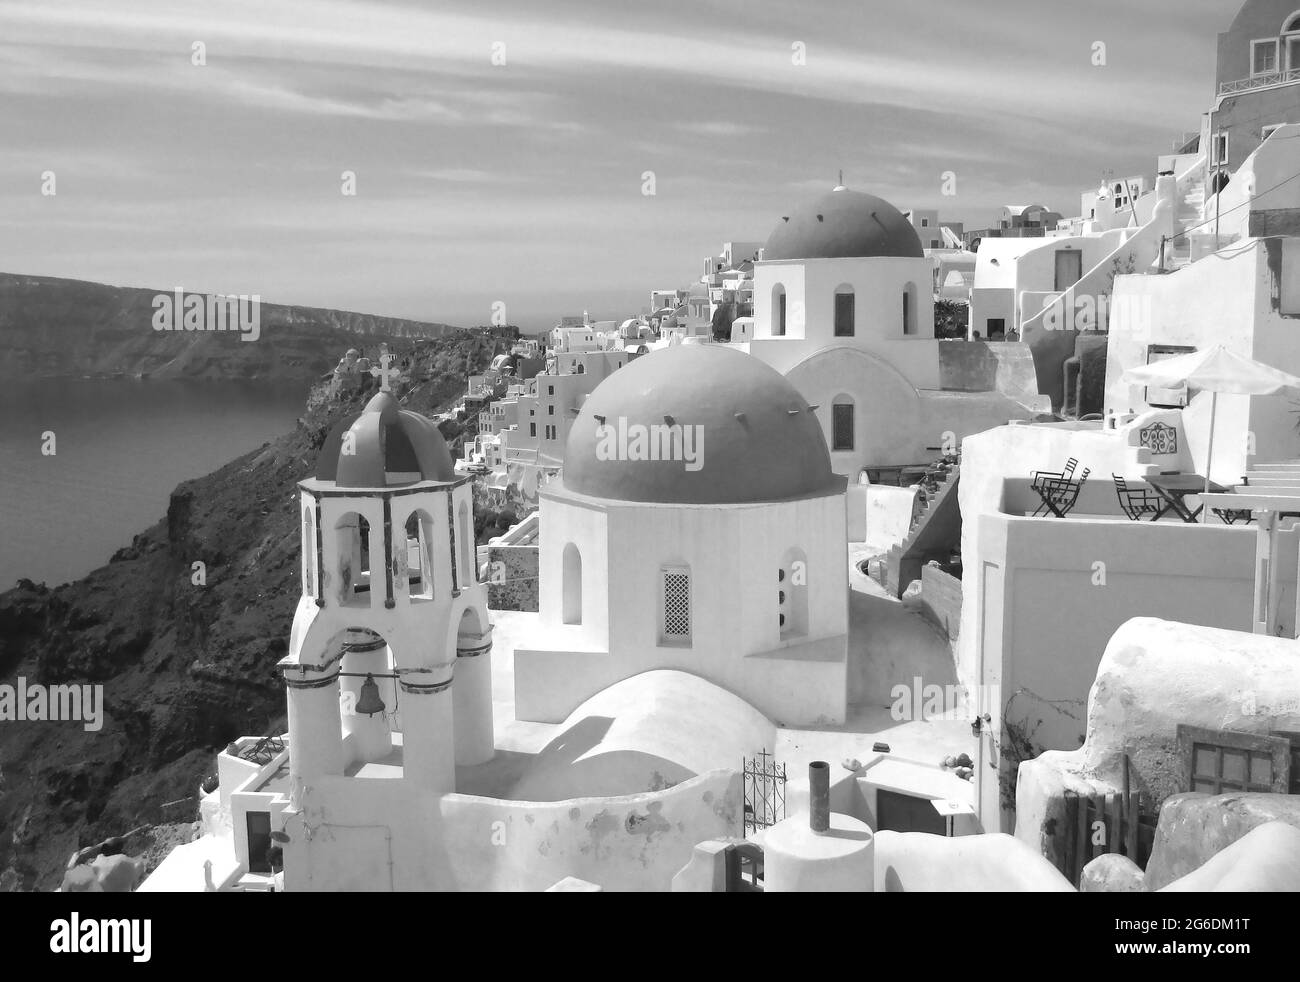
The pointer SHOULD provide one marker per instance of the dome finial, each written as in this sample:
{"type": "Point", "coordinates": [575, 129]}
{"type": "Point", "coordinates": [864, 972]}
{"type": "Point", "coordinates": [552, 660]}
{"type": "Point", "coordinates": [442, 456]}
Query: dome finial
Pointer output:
{"type": "Point", "coordinates": [383, 372]}
{"type": "Point", "coordinates": [840, 186]}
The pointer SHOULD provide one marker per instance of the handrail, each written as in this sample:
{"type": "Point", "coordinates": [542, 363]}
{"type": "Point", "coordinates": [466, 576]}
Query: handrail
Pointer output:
{"type": "Point", "coordinates": [1260, 82]}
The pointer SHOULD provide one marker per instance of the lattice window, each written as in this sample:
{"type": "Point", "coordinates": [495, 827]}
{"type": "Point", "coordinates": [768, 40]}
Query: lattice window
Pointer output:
{"type": "Point", "coordinates": [677, 603]}
{"type": "Point", "coordinates": [1217, 761]}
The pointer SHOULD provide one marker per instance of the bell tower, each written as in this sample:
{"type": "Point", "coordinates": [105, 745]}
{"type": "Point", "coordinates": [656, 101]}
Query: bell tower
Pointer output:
{"type": "Point", "coordinates": [389, 665]}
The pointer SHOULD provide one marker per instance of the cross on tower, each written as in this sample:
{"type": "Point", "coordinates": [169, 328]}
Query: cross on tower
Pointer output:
{"type": "Point", "coordinates": [383, 372]}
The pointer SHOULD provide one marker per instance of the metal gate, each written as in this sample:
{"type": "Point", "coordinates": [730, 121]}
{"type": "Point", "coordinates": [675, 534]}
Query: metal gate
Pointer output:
{"type": "Point", "coordinates": [764, 791]}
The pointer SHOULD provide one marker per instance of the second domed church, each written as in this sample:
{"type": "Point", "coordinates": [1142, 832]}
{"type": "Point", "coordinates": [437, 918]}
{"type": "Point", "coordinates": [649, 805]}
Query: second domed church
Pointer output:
{"type": "Point", "coordinates": [844, 309]}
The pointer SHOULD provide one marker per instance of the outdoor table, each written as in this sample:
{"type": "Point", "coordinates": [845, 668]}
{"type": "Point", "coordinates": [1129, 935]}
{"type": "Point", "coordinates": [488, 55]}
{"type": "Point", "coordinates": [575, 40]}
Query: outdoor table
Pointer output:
{"type": "Point", "coordinates": [949, 810]}
{"type": "Point", "coordinates": [1176, 487]}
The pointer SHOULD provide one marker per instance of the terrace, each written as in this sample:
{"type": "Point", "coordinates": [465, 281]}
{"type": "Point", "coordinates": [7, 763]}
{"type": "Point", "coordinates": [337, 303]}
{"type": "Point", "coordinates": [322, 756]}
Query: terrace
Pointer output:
{"type": "Point", "coordinates": [1042, 596]}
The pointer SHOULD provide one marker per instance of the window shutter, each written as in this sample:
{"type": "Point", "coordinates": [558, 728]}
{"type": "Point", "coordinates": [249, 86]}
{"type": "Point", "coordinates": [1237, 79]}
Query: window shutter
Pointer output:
{"type": "Point", "coordinates": [677, 602]}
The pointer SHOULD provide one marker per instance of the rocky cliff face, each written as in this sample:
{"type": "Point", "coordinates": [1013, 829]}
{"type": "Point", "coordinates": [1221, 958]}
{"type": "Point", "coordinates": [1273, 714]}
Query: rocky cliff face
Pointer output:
{"type": "Point", "coordinates": [185, 667]}
{"type": "Point", "coordinates": [52, 327]}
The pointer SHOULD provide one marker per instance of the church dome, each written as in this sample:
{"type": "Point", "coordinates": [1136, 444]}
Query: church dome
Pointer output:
{"type": "Point", "coordinates": [391, 446]}
{"type": "Point", "coordinates": [744, 433]}
{"type": "Point", "coordinates": [844, 224]}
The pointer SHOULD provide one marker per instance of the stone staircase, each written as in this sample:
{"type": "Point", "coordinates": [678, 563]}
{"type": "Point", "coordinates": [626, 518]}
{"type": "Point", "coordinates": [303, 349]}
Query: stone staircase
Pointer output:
{"type": "Point", "coordinates": [936, 529]}
{"type": "Point", "coordinates": [1189, 214]}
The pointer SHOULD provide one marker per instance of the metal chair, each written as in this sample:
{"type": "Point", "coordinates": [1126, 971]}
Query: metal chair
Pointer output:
{"type": "Point", "coordinates": [1060, 494]}
{"type": "Point", "coordinates": [1065, 475]}
{"type": "Point", "coordinates": [1231, 516]}
{"type": "Point", "coordinates": [1136, 502]}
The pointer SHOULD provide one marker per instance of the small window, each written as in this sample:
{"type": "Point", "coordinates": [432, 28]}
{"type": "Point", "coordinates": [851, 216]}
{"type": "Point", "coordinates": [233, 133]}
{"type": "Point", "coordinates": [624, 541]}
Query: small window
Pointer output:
{"type": "Point", "coordinates": [842, 426]}
{"type": "Point", "coordinates": [1220, 761]}
{"type": "Point", "coordinates": [995, 325]}
{"type": "Point", "coordinates": [677, 604]}
{"type": "Point", "coordinates": [925, 223]}
{"type": "Point", "coordinates": [778, 311]}
{"type": "Point", "coordinates": [844, 315]}
{"type": "Point", "coordinates": [550, 390]}
{"type": "Point", "coordinates": [1219, 149]}
{"type": "Point", "coordinates": [1156, 397]}
{"type": "Point", "coordinates": [260, 842]}
{"type": "Point", "coordinates": [550, 410]}
{"type": "Point", "coordinates": [532, 429]}
{"type": "Point", "coordinates": [1263, 57]}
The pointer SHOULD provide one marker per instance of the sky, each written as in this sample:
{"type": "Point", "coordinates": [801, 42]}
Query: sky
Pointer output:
{"type": "Point", "coordinates": [500, 147]}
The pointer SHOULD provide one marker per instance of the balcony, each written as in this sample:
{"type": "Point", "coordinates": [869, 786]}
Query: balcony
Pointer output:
{"type": "Point", "coordinates": [1264, 81]}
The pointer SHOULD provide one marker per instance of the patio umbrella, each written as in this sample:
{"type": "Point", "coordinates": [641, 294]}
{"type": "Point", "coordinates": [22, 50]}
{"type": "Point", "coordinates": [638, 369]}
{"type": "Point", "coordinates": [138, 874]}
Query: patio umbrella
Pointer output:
{"type": "Point", "coordinates": [1216, 369]}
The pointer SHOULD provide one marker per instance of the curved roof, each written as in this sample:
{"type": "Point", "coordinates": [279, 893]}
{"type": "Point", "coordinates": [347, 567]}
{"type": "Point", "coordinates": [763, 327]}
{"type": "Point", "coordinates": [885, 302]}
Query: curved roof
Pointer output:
{"type": "Point", "coordinates": [844, 224]}
{"type": "Point", "coordinates": [698, 424]}
{"type": "Point", "coordinates": [390, 446]}
{"type": "Point", "coordinates": [630, 737]}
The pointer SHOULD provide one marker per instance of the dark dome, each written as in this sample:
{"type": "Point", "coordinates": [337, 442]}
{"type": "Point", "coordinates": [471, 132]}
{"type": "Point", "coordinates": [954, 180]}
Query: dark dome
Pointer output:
{"type": "Point", "coordinates": [760, 440]}
{"type": "Point", "coordinates": [844, 224]}
{"type": "Point", "coordinates": [391, 446]}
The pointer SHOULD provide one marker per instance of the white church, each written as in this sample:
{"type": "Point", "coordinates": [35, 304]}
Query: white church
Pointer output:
{"type": "Point", "coordinates": [844, 309]}
{"type": "Point", "coordinates": [732, 566]}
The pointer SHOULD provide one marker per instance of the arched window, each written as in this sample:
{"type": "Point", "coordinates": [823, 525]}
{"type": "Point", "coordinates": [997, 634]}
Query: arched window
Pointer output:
{"type": "Point", "coordinates": [675, 593]}
{"type": "Point", "coordinates": [842, 425]}
{"type": "Point", "coordinates": [844, 320]}
{"type": "Point", "coordinates": [419, 565]}
{"type": "Point", "coordinates": [909, 309]}
{"type": "Point", "coordinates": [572, 585]}
{"type": "Point", "coordinates": [308, 554]}
{"type": "Point", "coordinates": [352, 533]}
{"type": "Point", "coordinates": [1291, 42]}
{"type": "Point", "coordinates": [778, 311]}
{"type": "Point", "coordinates": [466, 536]}
{"type": "Point", "coordinates": [792, 594]}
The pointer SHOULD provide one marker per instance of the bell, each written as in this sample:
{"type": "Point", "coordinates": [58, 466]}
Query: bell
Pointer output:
{"type": "Point", "coordinates": [370, 703]}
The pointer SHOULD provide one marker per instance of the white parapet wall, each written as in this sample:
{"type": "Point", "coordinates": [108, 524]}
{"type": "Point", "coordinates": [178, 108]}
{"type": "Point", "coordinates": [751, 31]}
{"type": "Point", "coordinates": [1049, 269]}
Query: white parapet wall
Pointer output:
{"type": "Point", "coordinates": [880, 515]}
{"type": "Point", "coordinates": [395, 837]}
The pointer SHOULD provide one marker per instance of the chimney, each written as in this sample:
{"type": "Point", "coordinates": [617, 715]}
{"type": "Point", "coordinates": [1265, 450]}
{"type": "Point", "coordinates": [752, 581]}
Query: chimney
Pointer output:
{"type": "Point", "coordinates": [819, 796]}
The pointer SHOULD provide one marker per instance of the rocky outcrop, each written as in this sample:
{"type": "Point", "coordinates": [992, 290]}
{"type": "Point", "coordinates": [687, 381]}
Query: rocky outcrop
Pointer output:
{"type": "Point", "coordinates": [1111, 873]}
{"type": "Point", "coordinates": [1264, 860]}
{"type": "Point", "coordinates": [1196, 827]}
